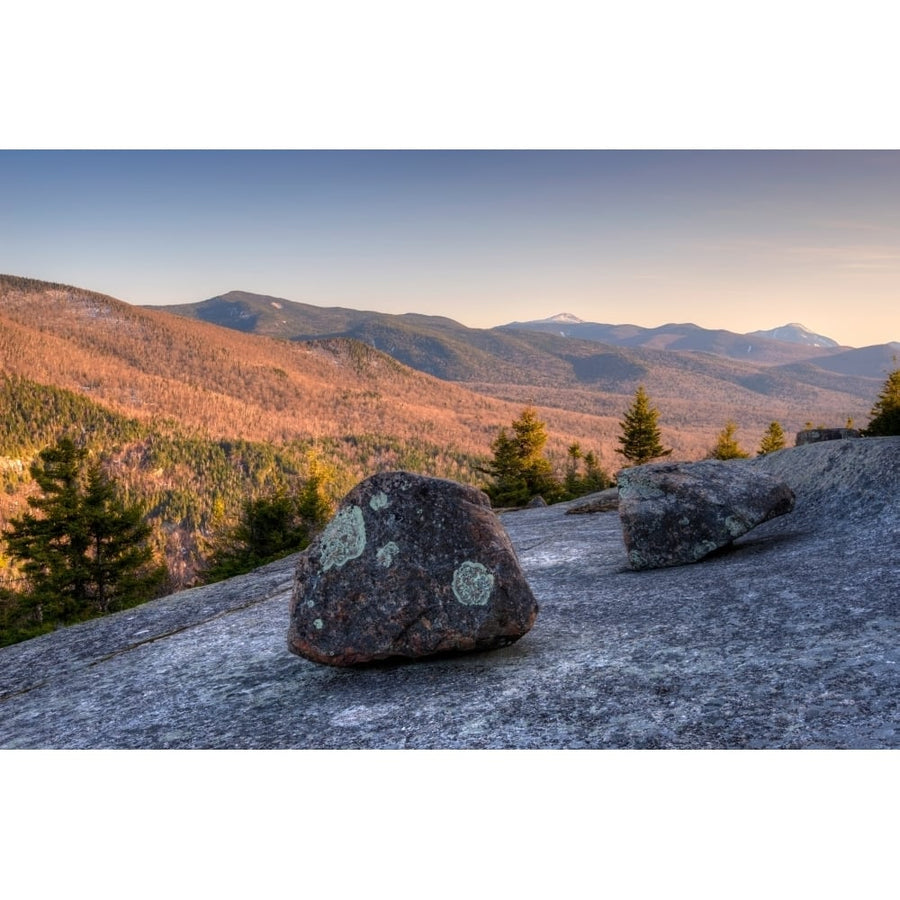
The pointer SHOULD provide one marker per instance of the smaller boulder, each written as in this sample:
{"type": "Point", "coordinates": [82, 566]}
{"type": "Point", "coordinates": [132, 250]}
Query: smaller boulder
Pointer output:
{"type": "Point", "coordinates": [409, 566]}
{"type": "Point", "coordinates": [676, 513]}
{"type": "Point", "coordinates": [602, 501]}
{"type": "Point", "coordinates": [817, 435]}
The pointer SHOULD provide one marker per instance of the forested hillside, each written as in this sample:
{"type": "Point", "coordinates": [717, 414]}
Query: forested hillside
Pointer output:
{"type": "Point", "coordinates": [697, 389]}
{"type": "Point", "coordinates": [192, 418]}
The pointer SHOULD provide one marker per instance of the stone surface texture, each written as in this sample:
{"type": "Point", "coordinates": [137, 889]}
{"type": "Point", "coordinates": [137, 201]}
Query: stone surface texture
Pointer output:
{"type": "Point", "coordinates": [788, 639]}
{"type": "Point", "coordinates": [602, 501]}
{"type": "Point", "coordinates": [677, 513]}
{"type": "Point", "coordinates": [409, 566]}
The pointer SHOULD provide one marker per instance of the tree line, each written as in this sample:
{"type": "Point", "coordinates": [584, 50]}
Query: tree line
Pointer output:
{"type": "Point", "coordinates": [519, 471]}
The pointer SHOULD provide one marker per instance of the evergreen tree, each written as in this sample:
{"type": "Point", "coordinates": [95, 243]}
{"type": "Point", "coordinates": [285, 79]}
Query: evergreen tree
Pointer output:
{"type": "Point", "coordinates": [314, 505]}
{"type": "Point", "coordinates": [519, 468]}
{"type": "Point", "coordinates": [772, 440]}
{"type": "Point", "coordinates": [885, 415]}
{"type": "Point", "coordinates": [593, 479]}
{"type": "Point", "coordinates": [572, 479]}
{"type": "Point", "coordinates": [84, 551]}
{"type": "Point", "coordinates": [270, 527]}
{"type": "Point", "coordinates": [640, 438]}
{"type": "Point", "coordinates": [121, 568]}
{"type": "Point", "coordinates": [727, 445]}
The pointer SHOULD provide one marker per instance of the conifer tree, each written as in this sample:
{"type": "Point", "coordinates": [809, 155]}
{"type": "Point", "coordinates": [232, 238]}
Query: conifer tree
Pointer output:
{"type": "Point", "coordinates": [726, 445]}
{"type": "Point", "coordinates": [86, 552]}
{"type": "Point", "coordinates": [640, 438]}
{"type": "Point", "coordinates": [314, 505]}
{"type": "Point", "coordinates": [772, 440]}
{"type": "Point", "coordinates": [572, 480]}
{"type": "Point", "coordinates": [272, 526]}
{"type": "Point", "coordinates": [885, 415]}
{"type": "Point", "coordinates": [519, 469]}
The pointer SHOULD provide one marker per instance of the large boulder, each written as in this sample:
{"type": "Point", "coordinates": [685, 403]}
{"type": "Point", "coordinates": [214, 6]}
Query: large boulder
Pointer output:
{"type": "Point", "coordinates": [409, 566]}
{"type": "Point", "coordinates": [676, 513]}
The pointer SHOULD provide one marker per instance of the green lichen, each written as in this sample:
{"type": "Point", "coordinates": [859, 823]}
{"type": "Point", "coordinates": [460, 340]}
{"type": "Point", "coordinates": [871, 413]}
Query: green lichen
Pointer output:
{"type": "Point", "coordinates": [344, 538]}
{"type": "Point", "coordinates": [387, 554]}
{"type": "Point", "coordinates": [319, 624]}
{"type": "Point", "coordinates": [473, 584]}
{"type": "Point", "coordinates": [379, 501]}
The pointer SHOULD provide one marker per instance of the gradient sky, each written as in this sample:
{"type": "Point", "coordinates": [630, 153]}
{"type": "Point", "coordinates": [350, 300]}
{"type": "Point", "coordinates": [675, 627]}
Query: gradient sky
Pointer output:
{"type": "Point", "coordinates": [741, 240]}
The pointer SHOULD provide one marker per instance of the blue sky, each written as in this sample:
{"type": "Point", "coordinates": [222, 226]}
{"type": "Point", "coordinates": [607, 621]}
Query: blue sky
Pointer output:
{"type": "Point", "coordinates": [726, 239]}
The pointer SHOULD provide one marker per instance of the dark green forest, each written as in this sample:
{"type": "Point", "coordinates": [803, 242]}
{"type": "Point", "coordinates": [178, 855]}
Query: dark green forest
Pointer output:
{"type": "Point", "coordinates": [196, 493]}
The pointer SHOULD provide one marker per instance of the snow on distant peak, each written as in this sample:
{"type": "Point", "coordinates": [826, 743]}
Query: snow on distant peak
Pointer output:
{"type": "Point", "coordinates": [563, 319]}
{"type": "Point", "coordinates": [795, 333]}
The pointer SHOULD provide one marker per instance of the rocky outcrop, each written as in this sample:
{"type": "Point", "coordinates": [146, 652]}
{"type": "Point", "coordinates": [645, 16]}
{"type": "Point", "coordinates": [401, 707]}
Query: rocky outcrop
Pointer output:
{"type": "Point", "coordinates": [676, 513]}
{"type": "Point", "coordinates": [789, 640]}
{"type": "Point", "coordinates": [409, 566]}
{"type": "Point", "coordinates": [815, 435]}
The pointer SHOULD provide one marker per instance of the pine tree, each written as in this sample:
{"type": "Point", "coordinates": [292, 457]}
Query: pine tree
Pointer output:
{"type": "Point", "coordinates": [772, 440]}
{"type": "Point", "coordinates": [885, 415]}
{"type": "Point", "coordinates": [572, 481]}
{"type": "Point", "coordinates": [727, 445]}
{"type": "Point", "coordinates": [272, 526]}
{"type": "Point", "coordinates": [519, 469]}
{"type": "Point", "coordinates": [86, 552]}
{"type": "Point", "coordinates": [593, 479]}
{"type": "Point", "coordinates": [640, 438]}
{"type": "Point", "coordinates": [121, 560]}
{"type": "Point", "coordinates": [313, 504]}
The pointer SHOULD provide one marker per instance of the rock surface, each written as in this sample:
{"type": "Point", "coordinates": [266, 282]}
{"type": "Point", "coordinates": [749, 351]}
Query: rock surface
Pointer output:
{"type": "Point", "coordinates": [789, 639]}
{"type": "Point", "coordinates": [814, 435]}
{"type": "Point", "coordinates": [602, 501]}
{"type": "Point", "coordinates": [409, 566]}
{"type": "Point", "coordinates": [677, 513]}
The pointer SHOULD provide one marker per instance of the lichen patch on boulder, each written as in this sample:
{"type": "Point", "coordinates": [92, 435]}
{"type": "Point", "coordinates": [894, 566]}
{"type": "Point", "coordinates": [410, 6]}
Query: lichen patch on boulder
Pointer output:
{"type": "Point", "coordinates": [473, 584]}
{"type": "Point", "coordinates": [344, 538]}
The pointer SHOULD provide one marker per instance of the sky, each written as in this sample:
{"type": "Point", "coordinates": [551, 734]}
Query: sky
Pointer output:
{"type": "Point", "coordinates": [734, 239]}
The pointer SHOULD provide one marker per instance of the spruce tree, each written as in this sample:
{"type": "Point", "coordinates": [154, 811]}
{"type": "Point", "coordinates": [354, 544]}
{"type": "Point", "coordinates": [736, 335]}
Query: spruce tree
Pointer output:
{"type": "Point", "coordinates": [885, 415]}
{"type": "Point", "coordinates": [519, 469]}
{"type": "Point", "coordinates": [271, 526]}
{"type": "Point", "coordinates": [726, 445]}
{"type": "Point", "coordinates": [572, 481]}
{"type": "Point", "coordinates": [640, 438]}
{"type": "Point", "coordinates": [83, 550]}
{"type": "Point", "coordinates": [120, 556]}
{"type": "Point", "coordinates": [772, 440]}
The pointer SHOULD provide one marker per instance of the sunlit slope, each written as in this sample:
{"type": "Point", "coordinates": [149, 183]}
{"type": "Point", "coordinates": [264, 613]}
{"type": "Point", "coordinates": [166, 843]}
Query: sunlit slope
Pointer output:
{"type": "Point", "coordinates": [697, 391]}
{"type": "Point", "coordinates": [150, 364]}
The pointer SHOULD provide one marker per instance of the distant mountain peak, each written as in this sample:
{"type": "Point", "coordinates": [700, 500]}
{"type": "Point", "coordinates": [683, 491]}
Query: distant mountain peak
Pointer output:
{"type": "Point", "coordinates": [564, 319]}
{"type": "Point", "coordinates": [795, 333]}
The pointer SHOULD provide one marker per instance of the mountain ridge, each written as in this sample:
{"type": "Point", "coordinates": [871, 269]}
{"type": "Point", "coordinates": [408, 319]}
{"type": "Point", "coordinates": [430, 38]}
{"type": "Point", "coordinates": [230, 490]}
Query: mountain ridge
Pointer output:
{"type": "Point", "coordinates": [513, 362]}
{"type": "Point", "coordinates": [791, 333]}
{"type": "Point", "coordinates": [696, 390]}
{"type": "Point", "coordinates": [795, 333]}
